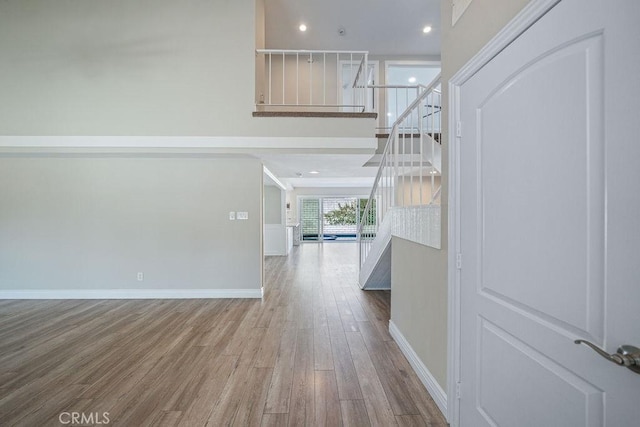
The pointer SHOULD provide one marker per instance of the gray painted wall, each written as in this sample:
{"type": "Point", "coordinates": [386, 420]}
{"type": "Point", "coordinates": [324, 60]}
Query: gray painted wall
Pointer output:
{"type": "Point", "coordinates": [93, 223]}
{"type": "Point", "coordinates": [419, 299]}
{"type": "Point", "coordinates": [139, 68]}
{"type": "Point", "coordinates": [415, 295]}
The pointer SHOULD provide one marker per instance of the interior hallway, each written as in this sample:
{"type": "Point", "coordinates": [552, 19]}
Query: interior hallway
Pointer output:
{"type": "Point", "coordinates": [315, 351]}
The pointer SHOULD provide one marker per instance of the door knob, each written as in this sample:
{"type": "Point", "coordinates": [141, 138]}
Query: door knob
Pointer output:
{"type": "Point", "coordinates": [627, 355]}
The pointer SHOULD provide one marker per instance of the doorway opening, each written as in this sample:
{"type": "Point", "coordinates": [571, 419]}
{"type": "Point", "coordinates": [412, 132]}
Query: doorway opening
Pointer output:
{"type": "Point", "coordinates": [330, 219]}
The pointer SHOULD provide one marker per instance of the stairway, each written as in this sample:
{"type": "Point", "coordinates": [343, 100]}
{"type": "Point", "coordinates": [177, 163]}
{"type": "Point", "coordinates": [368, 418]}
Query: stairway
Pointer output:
{"type": "Point", "coordinates": [404, 200]}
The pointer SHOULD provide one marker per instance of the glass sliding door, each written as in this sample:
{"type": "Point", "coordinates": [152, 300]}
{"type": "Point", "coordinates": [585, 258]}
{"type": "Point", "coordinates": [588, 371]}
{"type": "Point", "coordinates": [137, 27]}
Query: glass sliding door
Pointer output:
{"type": "Point", "coordinates": [339, 218]}
{"type": "Point", "coordinates": [332, 218]}
{"type": "Point", "coordinates": [310, 225]}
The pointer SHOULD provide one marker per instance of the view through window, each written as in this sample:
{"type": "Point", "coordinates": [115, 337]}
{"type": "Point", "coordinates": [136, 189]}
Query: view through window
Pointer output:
{"type": "Point", "coordinates": [403, 74]}
{"type": "Point", "coordinates": [330, 218]}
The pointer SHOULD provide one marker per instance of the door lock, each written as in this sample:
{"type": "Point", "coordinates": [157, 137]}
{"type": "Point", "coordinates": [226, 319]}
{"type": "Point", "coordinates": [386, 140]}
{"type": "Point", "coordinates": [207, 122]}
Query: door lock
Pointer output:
{"type": "Point", "coordinates": [627, 355]}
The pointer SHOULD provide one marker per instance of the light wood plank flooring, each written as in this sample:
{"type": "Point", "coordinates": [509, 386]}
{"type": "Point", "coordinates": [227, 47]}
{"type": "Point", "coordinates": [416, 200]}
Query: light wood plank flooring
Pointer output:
{"type": "Point", "coordinates": [315, 351]}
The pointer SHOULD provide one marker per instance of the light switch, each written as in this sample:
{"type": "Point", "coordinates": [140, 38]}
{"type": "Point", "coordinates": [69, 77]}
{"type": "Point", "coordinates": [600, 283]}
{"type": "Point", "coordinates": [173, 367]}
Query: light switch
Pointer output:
{"type": "Point", "coordinates": [243, 215]}
{"type": "Point", "coordinates": [232, 216]}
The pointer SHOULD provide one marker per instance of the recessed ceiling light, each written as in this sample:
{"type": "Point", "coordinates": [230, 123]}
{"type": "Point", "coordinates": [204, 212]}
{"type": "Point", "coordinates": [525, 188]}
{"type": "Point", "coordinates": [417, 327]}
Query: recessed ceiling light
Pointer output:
{"type": "Point", "coordinates": [412, 79]}
{"type": "Point", "coordinates": [302, 27]}
{"type": "Point", "coordinates": [389, 114]}
{"type": "Point", "coordinates": [314, 172]}
{"type": "Point", "coordinates": [426, 29]}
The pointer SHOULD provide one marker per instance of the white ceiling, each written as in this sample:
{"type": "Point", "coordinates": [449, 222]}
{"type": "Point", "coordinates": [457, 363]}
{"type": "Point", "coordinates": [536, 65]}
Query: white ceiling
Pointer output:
{"type": "Point", "coordinates": [335, 170]}
{"type": "Point", "coordinates": [383, 27]}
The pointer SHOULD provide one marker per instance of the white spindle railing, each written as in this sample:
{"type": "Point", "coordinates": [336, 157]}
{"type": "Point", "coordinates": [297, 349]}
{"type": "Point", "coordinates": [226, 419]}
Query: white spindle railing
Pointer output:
{"type": "Point", "coordinates": [410, 166]}
{"type": "Point", "coordinates": [360, 85]}
{"type": "Point", "coordinates": [313, 79]}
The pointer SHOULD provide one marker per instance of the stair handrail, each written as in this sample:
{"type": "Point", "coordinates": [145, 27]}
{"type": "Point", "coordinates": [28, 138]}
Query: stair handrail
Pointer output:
{"type": "Point", "coordinates": [365, 236]}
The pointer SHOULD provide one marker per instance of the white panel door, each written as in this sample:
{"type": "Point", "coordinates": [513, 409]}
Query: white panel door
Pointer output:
{"type": "Point", "coordinates": [550, 222]}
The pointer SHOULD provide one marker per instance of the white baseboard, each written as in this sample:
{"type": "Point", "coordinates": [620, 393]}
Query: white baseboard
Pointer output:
{"type": "Point", "coordinates": [130, 293]}
{"type": "Point", "coordinates": [274, 253]}
{"type": "Point", "coordinates": [437, 393]}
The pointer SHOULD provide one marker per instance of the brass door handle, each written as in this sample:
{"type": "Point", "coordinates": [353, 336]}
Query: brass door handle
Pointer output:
{"type": "Point", "coordinates": [627, 355]}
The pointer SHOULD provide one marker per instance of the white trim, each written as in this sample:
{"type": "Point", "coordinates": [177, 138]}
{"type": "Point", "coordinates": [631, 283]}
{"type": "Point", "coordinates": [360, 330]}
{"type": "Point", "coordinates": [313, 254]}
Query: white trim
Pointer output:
{"type": "Point", "coordinates": [427, 379]}
{"type": "Point", "coordinates": [453, 277]}
{"type": "Point", "coordinates": [130, 293]}
{"type": "Point", "coordinates": [229, 143]}
{"type": "Point", "coordinates": [533, 11]}
{"type": "Point", "coordinates": [283, 206]}
{"type": "Point", "coordinates": [274, 178]}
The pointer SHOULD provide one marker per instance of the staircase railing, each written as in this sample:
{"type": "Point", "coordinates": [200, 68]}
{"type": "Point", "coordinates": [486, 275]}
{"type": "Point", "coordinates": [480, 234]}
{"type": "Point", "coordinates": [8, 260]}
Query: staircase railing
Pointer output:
{"type": "Point", "coordinates": [410, 165]}
{"type": "Point", "coordinates": [312, 80]}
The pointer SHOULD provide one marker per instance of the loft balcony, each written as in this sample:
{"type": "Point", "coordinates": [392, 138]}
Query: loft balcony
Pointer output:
{"type": "Point", "coordinates": [328, 84]}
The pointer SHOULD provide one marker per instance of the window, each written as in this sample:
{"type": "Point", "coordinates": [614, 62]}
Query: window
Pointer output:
{"type": "Point", "coordinates": [408, 74]}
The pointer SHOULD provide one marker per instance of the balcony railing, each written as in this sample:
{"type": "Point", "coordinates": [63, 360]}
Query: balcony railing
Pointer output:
{"type": "Point", "coordinates": [312, 80]}
{"type": "Point", "coordinates": [328, 81]}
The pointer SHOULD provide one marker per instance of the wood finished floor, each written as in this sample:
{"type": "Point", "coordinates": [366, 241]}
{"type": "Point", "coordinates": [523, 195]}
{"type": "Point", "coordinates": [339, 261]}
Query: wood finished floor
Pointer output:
{"type": "Point", "coordinates": [315, 351]}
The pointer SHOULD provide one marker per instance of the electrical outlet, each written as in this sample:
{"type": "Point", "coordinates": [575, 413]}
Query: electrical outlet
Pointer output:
{"type": "Point", "coordinates": [243, 215]}
{"type": "Point", "coordinates": [232, 216]}
{"type": "Point", "coordinates": [140, 276]}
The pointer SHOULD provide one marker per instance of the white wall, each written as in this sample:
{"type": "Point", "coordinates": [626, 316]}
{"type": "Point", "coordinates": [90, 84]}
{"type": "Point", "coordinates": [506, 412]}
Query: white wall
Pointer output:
{"type": "Point", "coordinates": [275, 230]}
{"type": "Point", "coordinates": [119, 67]}
{"type": "Point", "coordinates": [479, 23]}
{"type": "Point", "coordinates": [409, 193]}
{"type": "Point", "coordinates": [138, 68]}
{"type": "Point", "coordinates": [273, 204]}
{"type": "Point", "coordinates": [106, 72]}
{"type": "Point", "coordinates": [92, 223]}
